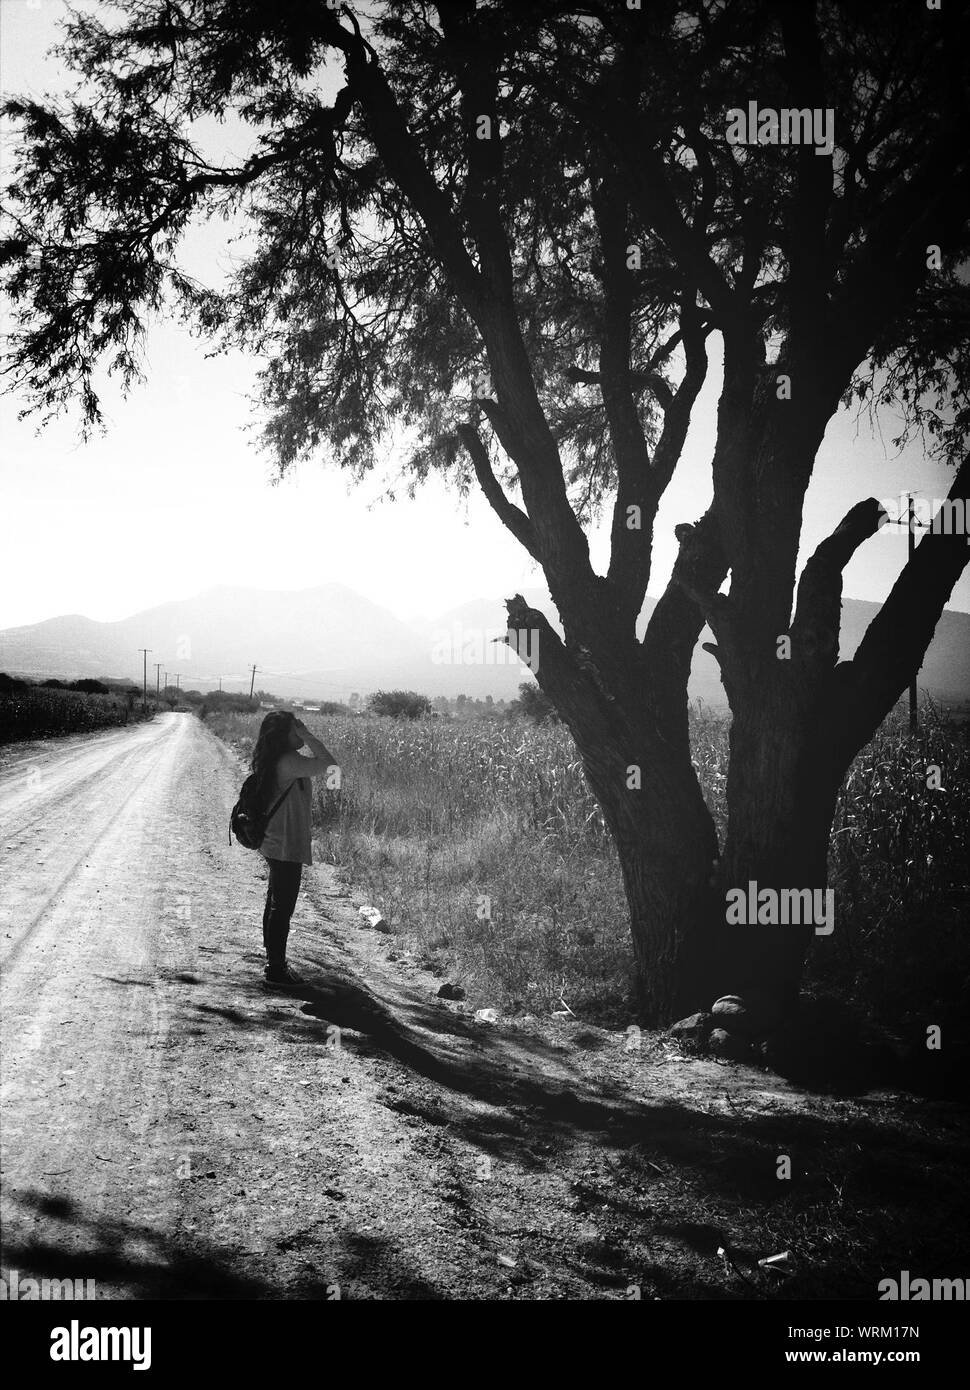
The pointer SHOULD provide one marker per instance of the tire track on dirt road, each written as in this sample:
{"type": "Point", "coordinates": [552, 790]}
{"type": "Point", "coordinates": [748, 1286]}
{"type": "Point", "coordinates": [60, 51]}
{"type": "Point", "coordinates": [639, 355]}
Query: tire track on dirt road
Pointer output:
{"type": "Point", "coordinates": [41, 774]}
{"type": "Point", "coordinates": [83, 1012]}
{"type": "Point", "coordinates": [68, 817]}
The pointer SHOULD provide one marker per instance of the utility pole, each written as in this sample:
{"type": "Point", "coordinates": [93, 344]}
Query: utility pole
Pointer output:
{"type": "Point", "coordinates": [252, 683]}
{"type": "Point", "coordinates": [220, 684]}
{"type": "Point", "coordinates": [158, 667]}
{"type": "Point", "coordinates": [911, 524]}
{"type": "Point", "coordinates": [144, 679]}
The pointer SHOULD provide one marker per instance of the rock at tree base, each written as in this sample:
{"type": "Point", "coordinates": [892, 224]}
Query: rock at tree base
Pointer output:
{"type": "Point", "coordinates": [450, 991]}
{"type": "Point", "coordinates": [691, 1033]}
{"type": "Point", "coordinates": [750, 1017]}
{"type": "Point", "coordinates": [732, 1014]}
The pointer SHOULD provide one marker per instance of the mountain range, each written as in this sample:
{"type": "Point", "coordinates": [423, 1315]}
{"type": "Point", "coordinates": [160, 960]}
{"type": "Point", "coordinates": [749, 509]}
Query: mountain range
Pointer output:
{"type": "Point", "coordinates": [327, 641]}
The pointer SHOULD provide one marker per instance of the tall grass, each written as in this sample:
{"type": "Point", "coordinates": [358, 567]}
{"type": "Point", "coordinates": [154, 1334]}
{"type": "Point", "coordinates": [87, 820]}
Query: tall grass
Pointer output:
{"type": "Point", "coordinates": [485, 850]}
{"type": "Point", "coordinates": [900, 867]}
{"type": "Point", "coordinates": [42, 712]}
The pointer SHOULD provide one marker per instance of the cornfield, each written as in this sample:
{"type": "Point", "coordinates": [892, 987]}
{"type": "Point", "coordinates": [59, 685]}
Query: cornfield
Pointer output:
{"type": "Point", "coordinates": [485, 850]}
{"type": "Point", "coordinates": [41, 712]}
{"type": "Point", "coordinates": [899, 862]}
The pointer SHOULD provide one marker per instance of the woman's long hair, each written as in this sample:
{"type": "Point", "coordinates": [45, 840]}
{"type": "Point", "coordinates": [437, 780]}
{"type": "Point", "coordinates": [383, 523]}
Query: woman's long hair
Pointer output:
{"type": "Point", "coordinates": [271, 743]}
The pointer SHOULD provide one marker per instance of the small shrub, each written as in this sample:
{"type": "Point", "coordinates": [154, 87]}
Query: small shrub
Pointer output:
{"type": "Point", "coordinates": [399, 704]}
{"type": "Point", "coordinates": [534, 704]}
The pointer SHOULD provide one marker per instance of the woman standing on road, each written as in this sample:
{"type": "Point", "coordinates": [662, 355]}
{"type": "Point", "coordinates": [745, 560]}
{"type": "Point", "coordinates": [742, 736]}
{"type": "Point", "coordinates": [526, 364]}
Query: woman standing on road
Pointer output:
{"type": "Point", "coordinates": [286, 846]}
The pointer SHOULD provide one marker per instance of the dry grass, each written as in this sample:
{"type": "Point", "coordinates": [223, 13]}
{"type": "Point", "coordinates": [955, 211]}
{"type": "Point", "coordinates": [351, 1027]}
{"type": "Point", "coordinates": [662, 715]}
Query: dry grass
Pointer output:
{"type": "Point", "coordinates": [434, 816]}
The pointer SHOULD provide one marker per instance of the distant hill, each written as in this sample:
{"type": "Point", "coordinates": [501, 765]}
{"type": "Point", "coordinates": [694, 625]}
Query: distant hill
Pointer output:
{"type": "Point", "coordinates": [328, 641]}
{"type": "Point", "coordinates": [323, 642]}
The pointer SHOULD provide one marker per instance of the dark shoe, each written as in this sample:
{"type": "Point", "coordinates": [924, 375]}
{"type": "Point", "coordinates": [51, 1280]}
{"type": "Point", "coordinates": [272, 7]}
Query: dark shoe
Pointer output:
{"type": "Point", "coordinates": [281, 975]}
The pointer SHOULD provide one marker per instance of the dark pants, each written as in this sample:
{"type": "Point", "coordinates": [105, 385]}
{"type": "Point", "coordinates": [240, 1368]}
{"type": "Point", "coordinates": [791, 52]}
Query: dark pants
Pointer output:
{"type": "Point", "coordinates": [281, 896]}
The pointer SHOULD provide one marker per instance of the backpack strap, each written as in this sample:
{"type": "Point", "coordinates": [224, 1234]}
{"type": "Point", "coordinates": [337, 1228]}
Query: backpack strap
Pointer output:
{"type": "Point", "coordinates": [278, 803]}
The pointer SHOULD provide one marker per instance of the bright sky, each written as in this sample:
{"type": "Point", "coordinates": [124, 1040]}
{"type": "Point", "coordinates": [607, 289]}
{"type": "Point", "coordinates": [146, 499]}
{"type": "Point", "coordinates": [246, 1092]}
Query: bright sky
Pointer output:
{"type": "Point", "coordinates": [175, 498]}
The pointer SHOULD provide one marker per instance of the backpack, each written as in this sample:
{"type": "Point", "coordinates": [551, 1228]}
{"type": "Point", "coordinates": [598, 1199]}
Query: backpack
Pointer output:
{"type": "Point", "coordinates": [248, 821]}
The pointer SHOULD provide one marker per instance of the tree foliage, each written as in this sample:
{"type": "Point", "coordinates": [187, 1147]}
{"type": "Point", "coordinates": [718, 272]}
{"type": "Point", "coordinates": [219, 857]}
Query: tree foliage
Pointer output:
{"type": "Point", "coordinates": [344, 293]}
{"type": "Point", "coordinates": [534, 705]}
{"type": "Point", "coordinates": [399, 704]}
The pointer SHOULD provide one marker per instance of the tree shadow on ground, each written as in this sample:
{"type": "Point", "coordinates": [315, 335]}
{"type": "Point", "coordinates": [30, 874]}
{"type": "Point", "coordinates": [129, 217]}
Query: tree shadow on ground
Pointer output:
{"type": "Point", "coordinates": [75, 1244]}
{"type": "Point", "coordinates": [873, 1185]}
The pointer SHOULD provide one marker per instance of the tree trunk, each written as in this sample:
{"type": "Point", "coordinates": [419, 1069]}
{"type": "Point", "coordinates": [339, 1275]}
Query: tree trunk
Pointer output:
{"type": "Point", "coordinates": [667, 848]}
{"type": "Point", "coordinates": [782, 788]}
{"type": "Point", "coordinates": [632, 736]}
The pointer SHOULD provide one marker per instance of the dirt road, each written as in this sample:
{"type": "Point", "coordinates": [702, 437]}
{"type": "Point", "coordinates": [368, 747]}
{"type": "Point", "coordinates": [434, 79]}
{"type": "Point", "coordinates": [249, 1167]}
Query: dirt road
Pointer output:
{"type": "Point", "coordinates": [171, 1129]}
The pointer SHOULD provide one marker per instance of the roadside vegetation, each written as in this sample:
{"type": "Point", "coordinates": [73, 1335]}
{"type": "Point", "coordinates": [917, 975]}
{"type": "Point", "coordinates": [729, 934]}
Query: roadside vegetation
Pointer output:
{"type": "Point", "coordinates": [482, 846]}
{"type": "Point", "coordinates": [52, 707]}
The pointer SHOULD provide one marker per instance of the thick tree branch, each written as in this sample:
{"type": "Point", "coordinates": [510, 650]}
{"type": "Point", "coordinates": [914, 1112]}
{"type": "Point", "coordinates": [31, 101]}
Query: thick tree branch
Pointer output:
{"type": "Point", "coordinates": [691, 596]}
{"type": "Point", "coordinates": [567, 674]}
{"type": "Point", "coordinates": [815, 628]}
{"type": "Point", "coordinates": [636, 496]}
{"type": "Point", "coordinates": [647, 184]}
{"type": "Point", "coordinates": [895, 642]}
{"type": "Point", "coordinates": [678, 412]}
{"type": "Point", "coordinates": [640, 381]}
{"type": "Point", "coordinates": [564, 545]}
{"type": "Point", "coordinates": [507, 512]}
{"type": "Point", "coordinates": [470, 49]}
{"type": "Point", "coordinates": [407, 168]}
{"type": "Point", "coordinates": [687, 244]}
{"type": "Point", "coordinates": [677, 620]}
{"type": "Point", "coordinates": [808, 208]}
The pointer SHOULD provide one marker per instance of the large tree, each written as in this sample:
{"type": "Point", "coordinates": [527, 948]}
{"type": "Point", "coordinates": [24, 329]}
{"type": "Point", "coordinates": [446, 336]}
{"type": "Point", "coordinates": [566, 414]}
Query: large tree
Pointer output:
{"type": "Point", "coordinates": [515, 228]}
